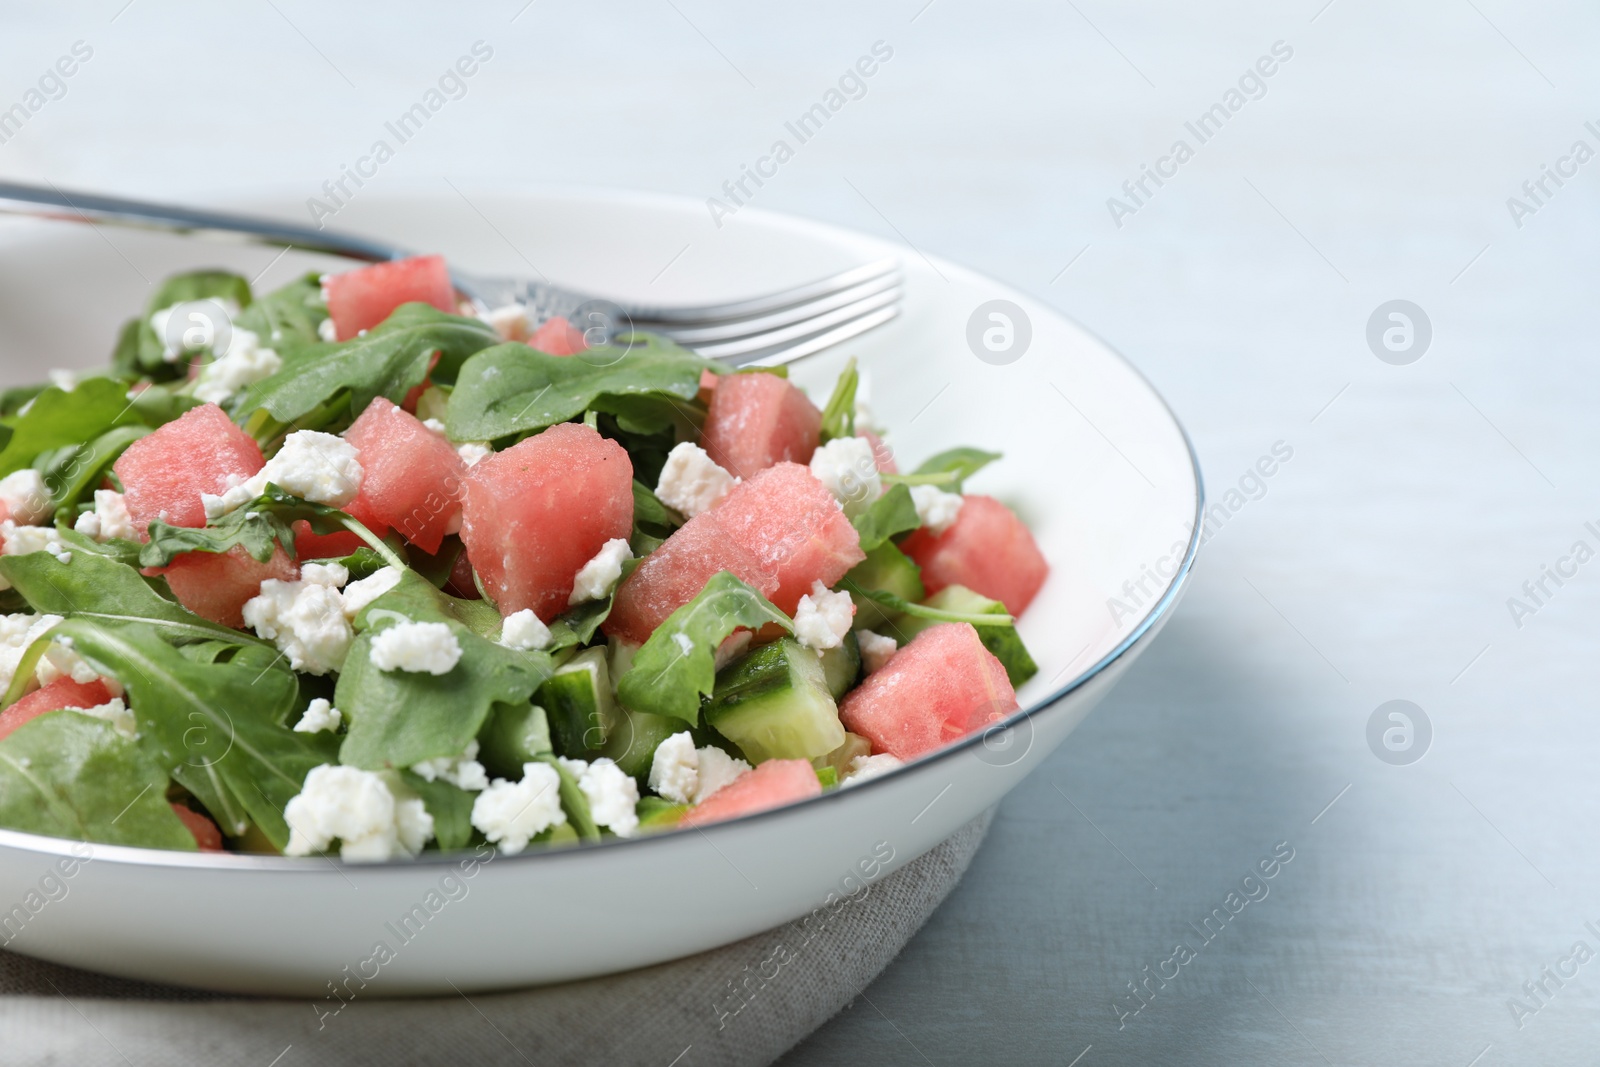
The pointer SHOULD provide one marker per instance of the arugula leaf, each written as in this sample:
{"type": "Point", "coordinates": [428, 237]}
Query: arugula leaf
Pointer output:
{"type": "Point", "coordinates": [72, 473]}
{"type": "Point", "coordinates": [839, 417]}
{"type": "Point", "coordinates": [890, 514]}
{"type": "Point", "coordinates": [922, 611]}
{"type": "Point", "coordinates": [12, 400]}
{"type": "Point", "coordinates": [140, 351]}
{"type": "Point", "coordinates": [514, 389]}
{"type": "Point", "coordinates": [573, 801]}
{"type": "Point", "coordinates": [287, 314]}
{"type": "Point", "coordinates": [450, 806]}
{"type": "Point", "coordinates": [955, 466]}
{"type": "Point", "coordinates": [67, 775]}
{"type": "Point", "coordinates": [576, 626]}
{"type": "Point", "coordinates": [257, 527]}
{"type": "Point", "coordinates": [677, 665]}
{"type": "Point", "coordinates": [322, 384]}
{"type": "Point", "coordinates": [58, 418]}
{"type": "Point", "coordinates": [400, 718]}
{"type": "Point", "coordinates": [160, 403]}
{"type": "Point", "coordinates": [650, 512]}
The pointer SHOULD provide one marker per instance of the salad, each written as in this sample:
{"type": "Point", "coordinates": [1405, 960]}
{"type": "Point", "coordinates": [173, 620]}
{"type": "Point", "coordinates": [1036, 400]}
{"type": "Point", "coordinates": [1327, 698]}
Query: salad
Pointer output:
{"type": "Point", "coordinates": [346, 567]}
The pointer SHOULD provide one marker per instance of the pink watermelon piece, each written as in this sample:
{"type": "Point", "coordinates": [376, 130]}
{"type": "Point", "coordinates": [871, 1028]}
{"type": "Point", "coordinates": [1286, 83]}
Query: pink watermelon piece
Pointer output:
{"type": "Point", "coordinates": [987, 549]}
{"type": "Point", "coordinates": [793, 525]}
{"type": "Point", "coordinates": [940, 687]}
{"type": "Point", "coordinates": [206, 835]}
{"type": "Point", "coordinates": [164, 473]}
{"type": "Point", "coordinates": [411, 477]}
{"type": "Point", "coordinates": [771, 785]}
{"type": "Point", "coordinates": [674, 574]}
{"type": "Point", "coordinates": [756, 420]}
{"type": "Point", "coordinates": [360, 299]}
{"type": "Point", "coordinates": [535, 513]}
{"type": "Point", "coordinates": [558, 337]}
{"type": "Point", "coordinates": [61, 693]}
{"type": "Point", "coordinates": [882, 454]}
{"type": "Point", "coordinates": [215, 586]}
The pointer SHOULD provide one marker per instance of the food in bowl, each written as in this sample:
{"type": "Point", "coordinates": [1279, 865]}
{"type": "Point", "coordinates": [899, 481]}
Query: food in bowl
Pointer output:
{"type": "Point", "coordinates": [348, 567]}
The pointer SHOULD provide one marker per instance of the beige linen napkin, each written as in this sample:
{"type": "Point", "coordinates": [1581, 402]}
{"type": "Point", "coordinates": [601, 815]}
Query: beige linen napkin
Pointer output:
{"type": "Point", "coordinates": [745, 1003]}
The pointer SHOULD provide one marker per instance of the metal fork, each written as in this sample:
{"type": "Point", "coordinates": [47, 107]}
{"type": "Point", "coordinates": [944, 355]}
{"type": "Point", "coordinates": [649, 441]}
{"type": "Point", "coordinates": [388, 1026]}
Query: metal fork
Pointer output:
{"type": "Point", "coordinates": [770, 329]}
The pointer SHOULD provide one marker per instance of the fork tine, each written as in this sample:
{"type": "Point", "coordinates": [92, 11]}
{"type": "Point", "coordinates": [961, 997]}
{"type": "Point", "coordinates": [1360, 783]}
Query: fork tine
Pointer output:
{"type": "Point", "coordinates": [702, 335]}
{"type": "Point", "coordinates": [797, 333]}
{"type": "Point", "coordinates": [647, 317]}
{"type": "Point", "coordinates": [813, 345]}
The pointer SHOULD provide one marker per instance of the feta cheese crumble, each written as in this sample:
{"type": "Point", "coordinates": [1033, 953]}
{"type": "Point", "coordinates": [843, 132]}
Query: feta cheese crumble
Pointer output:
{"type": "Point", "coordinates": [418, 647]}
{"type": "Point", "coordinates": [866, 768]}
{"type": "Point", "coordinates": [685, 775]}
{"type": "Point", "coordinates": [510, 813]}
{"type": "Point", "coordinates": [691, 481]}
{"type": "Point", "coordinates": [848, 467]}
{"type": "Point", "coordinates": [463, 771]}
{"type": "Point", "coordinates": [596, 579]}
{"type": "Point", "coordinates": [304, 618]}
{"type": "Point", "coordinates": [936, 508]}
{"type": "Point", "coordinates": [363, 591]}
{"type": "Point", "coordinates": [613, 796]}
{"type": "Point", "coordinates": [110, 518]}
{"type": "Point", "coordinates": [311, 465]}
{"type": "Point", "coordinates": [17, 632]}
{"type": "Point", "coordinates": [327, 331]}
{"type": "Point", "coordinates": [244, 363]}
{"type": "Point", "coordinates": [473, 451]}
{"type": "Point", "coordinates": [510, 322]}
{"type": "Point", "coordinates": [434, 426]}
{"type": "Point", "coordinates": [823, 618]}
{"type": "Point", "coordinates": [117, 713]}
{"type": "Point", "coordinates": [358, 808]}
{"type": "Point", "coordinates": [320, 716]}
{"type": "Point", "coordinates": [25, 496]}
{"type": "Point", "coordinates": [875, 649]}
{"type": "Point", "coordinates": [523, 631]}
{"type": "Point", "coordinates": [61, 661]}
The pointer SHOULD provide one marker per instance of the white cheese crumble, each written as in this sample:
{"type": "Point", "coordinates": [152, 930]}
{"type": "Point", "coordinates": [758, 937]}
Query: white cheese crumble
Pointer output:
{"type": "Point", "coordinates": [311, 465]}
{"type": "Point", "coordinates": [65, 380]}
{"type": "Point", "coordinates": [613, 796]}
{"type": "Point", "coordinates": [363, 591]}
{"type": "Point", "coordinates": [116, 712]}
{"type": "Point", "coordinates": [691, 481]}
{"type": "Point", "coordinates": [936, 508]}
{"type": "Point", "coordinates": [358, 808]}
{"type": "Point", "coordinates": [875, 649]}
{"type": "Point", "coordinates": [200, 335]}
{"type": "Point", "coordinates": [419, 647]}
{"type": "Point", "coordinates": [327, 331]}
{"type": "Point", "coordinates": [717, 769]}
{"type": "Point", "coordinates": [473, 451]}
{"type": "Point", "coordinates": [304, 618]}
{"type": "Point", "coordinates": [244, 363]}
{"type": "Point", "coordinates": [320, 716]}
{"type": "Point", "coordinates": [523, 631]}
{"type": "Point", "coordinates": [848, 467]}
{"type": "Point", "coordinates": [510, 322]}
{"type": "Point", "coordinates": [61, 661]}
{"type": "Point", "coordinates": [596, 579]}
{"type": "Point", "coordinates": [823, 618]}
{"type": "Point", "coordinates": [685, 775]}
{"type": "Point", "coordinates": [25, 496]}
{"type": "Point", "coordinates": [434, 426]}
{"type": "Point", "coordinates": [17, 632]}
{"type": "Point", "coordinates": [463, 771]}
{"type": "Point", "coordinates": [866, 768]}
{"type": "Point", "coordinates": [510, 813]}
{"type": "Point", "coordinates": [110, 518]}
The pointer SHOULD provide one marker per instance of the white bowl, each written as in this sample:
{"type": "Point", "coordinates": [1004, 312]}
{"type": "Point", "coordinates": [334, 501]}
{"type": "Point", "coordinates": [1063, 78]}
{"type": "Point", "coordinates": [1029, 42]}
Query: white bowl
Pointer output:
{"type": "Point", "coordinates": [1094, 461]}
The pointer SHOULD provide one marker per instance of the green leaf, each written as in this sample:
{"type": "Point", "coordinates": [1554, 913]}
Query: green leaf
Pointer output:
{"type": "Point", "coordinates": [839, 417]}
{"type": "Point", "coordinates": [58, 418]}
{"type": "Point", "coordinates": [257, 527]}
{"type": "Point", "coordinates": [677, 666]}
{"type": "Point", "coordinates": [400, 718]}
{"type": "Point", "coordinates": [140, 351]}
{"type": "Point", "coordinates": [288, 314]}
{"type": "Point", "coordinates": [650, 514]}
{"type": "Point", "coordinates": [12, 400]}
{"type": "Point", "coordinates": [65, 774]}
{"type": "Point", "coordinates": [321, 384]}
{"type": "Point", "coordinates": [956, 464]}
{"type": "Point", "coordinates": [513, 389]}
{"type": "Point", "coordinates": [574, 802]}
{"type": "Point", "coordinates": [74, 472]}
{"type": "Point", "coordinates": [922, 611]}
{"type": "Point", "coordinates": [890, 514]}
{"type": "Point", "coordinates": [450, 806]}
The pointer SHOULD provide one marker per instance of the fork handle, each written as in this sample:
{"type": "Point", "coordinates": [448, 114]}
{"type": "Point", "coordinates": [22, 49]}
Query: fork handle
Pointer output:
{"type": "Point", "coordinates": [55, 203]}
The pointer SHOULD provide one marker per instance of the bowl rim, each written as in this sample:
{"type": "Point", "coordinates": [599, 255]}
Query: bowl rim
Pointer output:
{"type": "Point", "coordinates": [45, 845]}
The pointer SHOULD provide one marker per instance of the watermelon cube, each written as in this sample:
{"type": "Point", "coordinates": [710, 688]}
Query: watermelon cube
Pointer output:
{"type": "Point", "coordinates": [207, 837]}
{"type": "Point", "coordinates": [215, 586]}
{"type": "Point", "coordinates": [771, 785]}
{"type": "Point", "coordinates": [558, 337]}
{"type": "Point", "coordinates": [793, 525]}
{"type": "Point", "coordinates": [61, 693]}
{"type": "Point", "coordinates": [756, 420]}
{"type": "Point", "coordinates": [940, 687]}
{"type": "Point", "coordinates": [360, 299]}
{"type": "Point", "coordinates": [535, 513]}
{"type": "Point", "coordinates": [411, 477]}
{"type": "Point", "coordinates": [987, 549]}
{"type": "Point", "coordinates": [674, 574]}
{"type": "Point", "coordinates": [164, 473]}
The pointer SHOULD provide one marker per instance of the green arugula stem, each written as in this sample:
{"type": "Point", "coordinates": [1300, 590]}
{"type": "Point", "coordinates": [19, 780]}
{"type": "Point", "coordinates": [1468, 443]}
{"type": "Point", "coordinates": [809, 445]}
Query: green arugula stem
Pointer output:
{"type": "Point", "coordinates": [940, 478]}
{"type": "Point", "coordinates": [922, 611]}
{"type": "Point", "coordinates": [356, 527]}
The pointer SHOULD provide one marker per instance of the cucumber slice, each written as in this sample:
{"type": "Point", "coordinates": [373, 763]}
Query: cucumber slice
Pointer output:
{"type": "Point", "coordinates": [574, 803]}
{"type": "Point", "coordinates": [556, 836]}
{"type": "Point", "coordinates": [886, 568]}
{"type": "Point", "coordinates": [774, 703]}
{"type": "Point", "coordinates": [632, 742]}
{"type": "Point", "coordinates": [577, 699]}
{"type": "Point", "coordinates": [839, 759]}
{"type": "Point", "coordinates": [656, 814]}
{"type": "Point", "coordinates": [1003, 641]}
{"type": "Point", "coordinates": [842, 665]}
{"type": "Point", "coordinates": [516, 734]}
